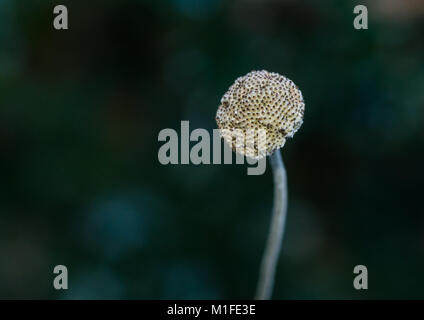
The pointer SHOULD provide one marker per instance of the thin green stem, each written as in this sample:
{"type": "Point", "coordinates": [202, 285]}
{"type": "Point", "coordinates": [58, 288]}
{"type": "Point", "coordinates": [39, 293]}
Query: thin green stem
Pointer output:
{"type": "Point", "coordinates": [276, 231]}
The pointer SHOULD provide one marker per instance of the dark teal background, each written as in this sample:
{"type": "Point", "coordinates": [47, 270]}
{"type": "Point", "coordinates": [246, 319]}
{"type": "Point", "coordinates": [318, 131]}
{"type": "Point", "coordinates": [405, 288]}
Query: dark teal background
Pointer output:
{"type": "Point", "coordinates": [81, 185]}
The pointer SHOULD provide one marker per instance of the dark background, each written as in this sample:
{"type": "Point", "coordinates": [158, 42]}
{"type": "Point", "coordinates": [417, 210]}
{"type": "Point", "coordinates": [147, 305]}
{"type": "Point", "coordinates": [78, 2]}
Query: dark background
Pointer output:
{"type": "Point", "coordinates": [81, 185]}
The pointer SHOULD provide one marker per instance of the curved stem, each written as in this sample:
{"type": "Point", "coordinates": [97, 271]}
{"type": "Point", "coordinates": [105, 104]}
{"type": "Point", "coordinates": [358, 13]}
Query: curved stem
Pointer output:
{"type": "Point", "coordinates": [273, 246]}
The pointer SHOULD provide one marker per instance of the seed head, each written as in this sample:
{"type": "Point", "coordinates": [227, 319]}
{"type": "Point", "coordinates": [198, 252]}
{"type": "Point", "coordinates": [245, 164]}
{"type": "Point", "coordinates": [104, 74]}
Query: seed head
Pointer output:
{"type": "Point", "coordinates": [260, 102]}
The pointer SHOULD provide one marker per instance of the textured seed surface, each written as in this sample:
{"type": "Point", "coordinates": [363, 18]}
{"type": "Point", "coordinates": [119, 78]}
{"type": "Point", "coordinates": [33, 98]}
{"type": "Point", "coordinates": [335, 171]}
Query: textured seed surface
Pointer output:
{"type": "Point", "coordinates": [258, 102]}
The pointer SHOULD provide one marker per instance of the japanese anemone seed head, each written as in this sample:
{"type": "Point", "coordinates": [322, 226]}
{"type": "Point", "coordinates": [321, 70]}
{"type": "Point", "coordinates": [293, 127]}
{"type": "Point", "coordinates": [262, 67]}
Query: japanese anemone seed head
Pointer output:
{"type": "Point", "coordinates": [257, 103]}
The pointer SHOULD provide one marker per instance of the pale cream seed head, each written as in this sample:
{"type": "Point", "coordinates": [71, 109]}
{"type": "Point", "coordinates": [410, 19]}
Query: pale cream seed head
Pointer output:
{"type": "Point", "coordinates": [257, 103]}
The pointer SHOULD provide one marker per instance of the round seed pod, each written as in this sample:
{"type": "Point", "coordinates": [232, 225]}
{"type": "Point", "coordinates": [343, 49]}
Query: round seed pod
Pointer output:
{"type": "Point", "coordinates": [258, 112]}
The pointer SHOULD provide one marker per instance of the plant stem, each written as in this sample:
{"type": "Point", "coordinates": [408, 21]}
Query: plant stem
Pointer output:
{"type": "Point", "coordinates": [273, 246]}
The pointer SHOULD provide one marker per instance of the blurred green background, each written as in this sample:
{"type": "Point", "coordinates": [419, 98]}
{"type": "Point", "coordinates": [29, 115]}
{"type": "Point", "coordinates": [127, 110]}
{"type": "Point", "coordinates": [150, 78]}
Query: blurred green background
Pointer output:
{"type": "Point", "coordinates": [81, 185]}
